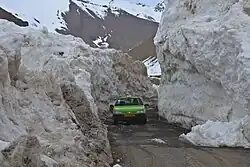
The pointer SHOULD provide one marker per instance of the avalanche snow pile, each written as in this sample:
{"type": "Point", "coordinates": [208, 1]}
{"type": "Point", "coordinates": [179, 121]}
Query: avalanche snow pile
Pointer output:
{"type": "Point", "coordinates": [203, 50]}
{"type": "Point", "coordinates": [51, 90]}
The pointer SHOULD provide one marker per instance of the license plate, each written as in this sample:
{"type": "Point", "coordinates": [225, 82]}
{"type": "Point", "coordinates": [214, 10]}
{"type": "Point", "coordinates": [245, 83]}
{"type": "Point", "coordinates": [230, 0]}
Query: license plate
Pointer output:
{"type": "Point", "coordinates": [129, 115]}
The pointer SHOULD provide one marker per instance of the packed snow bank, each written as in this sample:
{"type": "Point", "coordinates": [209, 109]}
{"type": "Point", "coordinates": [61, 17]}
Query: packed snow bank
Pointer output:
{"type": "Point", "coordinates": [219, 134]}
{"type": "Point", "coordinates": [49, 87]}
{"type": "Point", "coordinates": [203, 50]}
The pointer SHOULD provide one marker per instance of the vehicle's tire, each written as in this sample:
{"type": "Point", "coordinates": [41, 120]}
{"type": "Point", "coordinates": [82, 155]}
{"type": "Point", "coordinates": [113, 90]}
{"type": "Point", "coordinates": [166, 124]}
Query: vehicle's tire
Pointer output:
{"type": "Point", "coordinates": [143, 120]}
{"type": "Point", "coordinates": [115, 121]}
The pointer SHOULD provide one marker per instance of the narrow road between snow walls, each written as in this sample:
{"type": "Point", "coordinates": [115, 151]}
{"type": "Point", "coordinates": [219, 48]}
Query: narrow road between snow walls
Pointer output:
{"type": "Point", "coordinates": [157, 144]}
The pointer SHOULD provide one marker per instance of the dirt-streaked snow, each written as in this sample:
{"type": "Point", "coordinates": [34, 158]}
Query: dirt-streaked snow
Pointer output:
{"type": "Point", "coordinates": [203, 50]}
{"type": "Point", "coordinates": [52, 90]}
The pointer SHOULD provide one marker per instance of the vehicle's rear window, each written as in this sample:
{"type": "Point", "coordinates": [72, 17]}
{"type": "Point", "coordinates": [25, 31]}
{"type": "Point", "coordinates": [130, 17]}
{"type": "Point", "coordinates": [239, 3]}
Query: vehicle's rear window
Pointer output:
{"type": "Point", "coordinates": [128, 101]}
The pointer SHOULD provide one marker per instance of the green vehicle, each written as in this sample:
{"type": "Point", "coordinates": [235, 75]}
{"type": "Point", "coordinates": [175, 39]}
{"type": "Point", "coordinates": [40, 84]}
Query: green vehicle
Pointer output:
{"type": "Point", "coordinates": [129, 108]}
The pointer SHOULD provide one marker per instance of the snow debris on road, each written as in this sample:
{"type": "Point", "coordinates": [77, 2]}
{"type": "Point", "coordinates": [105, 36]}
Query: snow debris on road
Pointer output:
{"type": "Point", "coordinates": [219, 134]}
{"type": "Point", "coordinates": [158, 141]}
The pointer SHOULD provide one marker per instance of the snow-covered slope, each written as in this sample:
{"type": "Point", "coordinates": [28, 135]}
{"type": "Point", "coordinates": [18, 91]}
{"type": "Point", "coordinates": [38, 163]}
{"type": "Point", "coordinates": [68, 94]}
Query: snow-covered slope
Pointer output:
{"type": "Point", "coordinates": [49, 13]}
{"type": "Point", "coordinates": [52, 90]}
{"type": "Point", "coordinates": [137, 8]}
{"type": "Point", "coordinates": [153, 66]}
{"type": "Point", "coordinates": [39, 13]}
{"type": "Point", "coordinates": [203, 49]}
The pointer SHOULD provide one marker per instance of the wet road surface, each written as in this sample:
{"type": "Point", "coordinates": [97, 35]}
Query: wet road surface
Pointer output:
{"type": "Point", "coordinates": [133, 146]}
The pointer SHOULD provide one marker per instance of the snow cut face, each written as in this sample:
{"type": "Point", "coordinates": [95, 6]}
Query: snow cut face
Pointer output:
{"type": "Point", "coordinates": [49, 80]}
{"type": "Point", "coordinates": [203, 50]}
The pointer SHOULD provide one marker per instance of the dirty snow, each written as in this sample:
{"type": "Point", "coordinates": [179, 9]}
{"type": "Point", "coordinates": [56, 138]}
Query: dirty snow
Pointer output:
{"type": "Point", "coordinates": [203, 50]}
{"type": "Point", "coordinates": [219, 134]}
{"type": "Point", "coordinates": [53, 89]}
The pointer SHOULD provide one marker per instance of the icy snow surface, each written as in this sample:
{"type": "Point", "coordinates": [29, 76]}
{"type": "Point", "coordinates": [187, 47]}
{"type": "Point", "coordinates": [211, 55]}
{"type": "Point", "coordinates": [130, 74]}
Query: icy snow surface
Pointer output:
{"type": "Point", "coordinates": [203, 50]}
{"type": "Point", "coordinates": [52, 90]}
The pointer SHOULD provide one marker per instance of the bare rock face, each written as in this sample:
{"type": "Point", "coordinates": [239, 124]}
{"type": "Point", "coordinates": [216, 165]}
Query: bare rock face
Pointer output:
{"type": "Point", "coordinates": [10, 17]}
{"type": "Point", "coordinates": [203, 49]}
{"type": "Point", "coordinates": [50, 90]}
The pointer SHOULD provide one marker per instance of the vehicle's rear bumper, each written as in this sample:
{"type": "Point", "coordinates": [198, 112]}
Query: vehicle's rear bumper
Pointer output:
{"type": "Point", "coordinates": [122, 117]}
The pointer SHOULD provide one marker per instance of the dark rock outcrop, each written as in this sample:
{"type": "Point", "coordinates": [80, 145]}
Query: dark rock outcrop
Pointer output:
{"type": "Point", "coordinates": [12, 18]}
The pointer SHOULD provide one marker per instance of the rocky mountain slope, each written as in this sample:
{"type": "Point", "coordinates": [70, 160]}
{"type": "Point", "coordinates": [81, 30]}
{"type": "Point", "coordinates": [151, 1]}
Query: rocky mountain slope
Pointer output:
{"type": "Point", "coordinates": [203, 50]}
{"type": "Point", "coordinates": [53, 89]}
{"type": "Point", "coordinates": [4, 14]}
{"type": "Point", "coordinates": [126, 25]}
{"type": "Point", "coordinates": [121, 32]}
{"type": "Point", "coordinates": [119, 24]}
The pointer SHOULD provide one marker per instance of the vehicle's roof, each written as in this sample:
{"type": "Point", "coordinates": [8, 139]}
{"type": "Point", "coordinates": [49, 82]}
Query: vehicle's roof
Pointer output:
{"type": "Point", "coordinates": [129, 97]}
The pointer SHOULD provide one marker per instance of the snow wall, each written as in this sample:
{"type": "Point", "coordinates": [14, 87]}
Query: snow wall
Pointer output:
{"type": "Point", "coordinates": [203, 47]}
{"type": "Point", "coordinates": [52, 90]}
